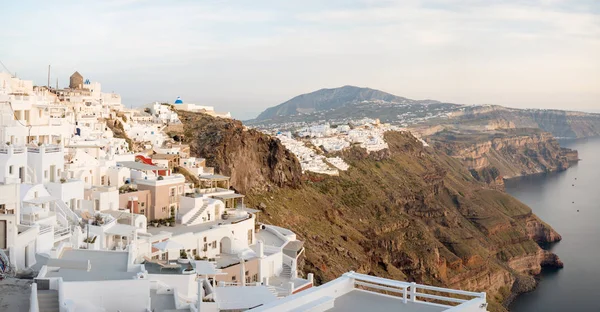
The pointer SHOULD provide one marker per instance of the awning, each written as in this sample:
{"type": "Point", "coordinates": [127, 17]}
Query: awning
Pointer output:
{"type": "Point", "coordinates": [40, 200]}
{"type": "Point", "coordinates": [213, 177]}
{"type": "Point", "coordinates": [138, 166]}
{"type": "Point", "coordinates": [294, 245]}
{"type": "Point", "coordinates": [120, 229]}
{"type": "Point", "coordinates": [167, 245]}
{"type": "Point", "coordinates": [229, 196]}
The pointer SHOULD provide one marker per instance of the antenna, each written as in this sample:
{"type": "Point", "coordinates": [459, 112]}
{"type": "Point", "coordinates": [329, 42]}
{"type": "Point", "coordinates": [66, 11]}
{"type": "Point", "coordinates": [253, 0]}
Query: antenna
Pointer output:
{"type": "Point", "coordinates": [5, 68]}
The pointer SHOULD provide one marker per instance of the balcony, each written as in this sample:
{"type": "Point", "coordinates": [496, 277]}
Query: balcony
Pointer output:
{"type": "Point", "coordinates": [44, 149]}
{"type": "Point", "coordinates": [9, 149]}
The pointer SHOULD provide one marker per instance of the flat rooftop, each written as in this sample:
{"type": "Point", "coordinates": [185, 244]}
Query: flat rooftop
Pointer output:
{"type": "Point", "coordinates": [360, 300]}
{"type": "Point", "coordinates": [105, 265]}
{"type": "Point", "coordinates": [269, 238]}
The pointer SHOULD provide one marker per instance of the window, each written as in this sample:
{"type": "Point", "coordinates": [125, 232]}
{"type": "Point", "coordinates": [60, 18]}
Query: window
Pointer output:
{"type": "Point", "coordinates": [250, 237]}
{"type": "Point", "coordinates": [255, 278]}
{"type": "Point", "coordinates": [247, 279]}
{"type": "Point", "coordinates": [205, 239]}
{"type": "Point", "coordinates": [164, 209]}
{"type": "Point", "coordinates": [208, 216]}
{"type": "Point", "coordinates": [10, 169]}
{"type": "Point", "coordinates": [173, 191]}
{"type": "Point", "coordinates": [233, 278]}
{"type": "Point", "coordinates": [194, 252]}
{"type": "Point", "coordinates": [205, 247]}
{"type": "Point", "coordinates": [45, 174]}
{"type": "Point", "coordinates": [142, 211]}
{"type": "Point", "coordinates": [214, 244]}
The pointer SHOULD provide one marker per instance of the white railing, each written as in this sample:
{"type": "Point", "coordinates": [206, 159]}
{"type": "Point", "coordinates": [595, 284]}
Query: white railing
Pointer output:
{"type": "Point", "coordinates": [69, 214]}
{"type": "Point", "coordinates": [45, 229]}
{"type": "Point", "coordinates": [62, 232]}
{"type": "Point", "coordinates": [413, 292]}
{"type": "Point", "coordinates": [12, 149]}
{"type": "Point", "coordinates": [233, 284]}
{"type": "Point", "coordinates": [44, 149]}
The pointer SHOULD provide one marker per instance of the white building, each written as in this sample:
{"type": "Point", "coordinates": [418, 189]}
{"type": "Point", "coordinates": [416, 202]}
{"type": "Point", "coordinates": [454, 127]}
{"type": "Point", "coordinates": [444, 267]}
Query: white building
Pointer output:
{"type": "Point", "coordinates": [210, 110]}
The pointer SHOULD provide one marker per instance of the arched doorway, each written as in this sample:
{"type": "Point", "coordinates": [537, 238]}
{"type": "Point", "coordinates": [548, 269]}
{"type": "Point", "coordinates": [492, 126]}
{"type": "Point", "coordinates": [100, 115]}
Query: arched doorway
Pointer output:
{"type": "Point", "coordinates": [225, 245]}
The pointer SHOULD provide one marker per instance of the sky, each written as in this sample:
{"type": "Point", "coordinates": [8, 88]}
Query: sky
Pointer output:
{"type": "Point", "coordinates": [246, 55]}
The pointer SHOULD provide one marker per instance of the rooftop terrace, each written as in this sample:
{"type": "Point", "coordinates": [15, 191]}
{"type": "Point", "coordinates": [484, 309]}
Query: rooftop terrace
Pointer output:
{"type": "Point", "coordinates": [105, 265]}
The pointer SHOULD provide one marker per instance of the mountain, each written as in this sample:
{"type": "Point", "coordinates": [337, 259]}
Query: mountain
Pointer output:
{"type": "Point", "coordinates": [407, 212]}
{"type": "Point", "coordinates": [333, 99]}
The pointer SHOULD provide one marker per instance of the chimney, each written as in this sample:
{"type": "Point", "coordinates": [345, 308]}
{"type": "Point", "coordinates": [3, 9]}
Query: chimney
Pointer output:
{"type": "Point", "coordinates": [261, 249]}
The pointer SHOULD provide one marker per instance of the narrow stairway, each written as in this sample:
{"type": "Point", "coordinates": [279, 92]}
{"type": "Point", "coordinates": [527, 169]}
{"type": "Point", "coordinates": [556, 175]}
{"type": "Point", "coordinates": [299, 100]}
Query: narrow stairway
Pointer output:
{"type": "Point", "coordinates": [197, 214]}
{"type": "Point", "coordinates": [48, 300]}
{"type": "Point", "coordinates": [287, 271]}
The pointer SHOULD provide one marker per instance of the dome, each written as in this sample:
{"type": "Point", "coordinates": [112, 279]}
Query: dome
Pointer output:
{"type": "Point", "coordinates": [178, 100]}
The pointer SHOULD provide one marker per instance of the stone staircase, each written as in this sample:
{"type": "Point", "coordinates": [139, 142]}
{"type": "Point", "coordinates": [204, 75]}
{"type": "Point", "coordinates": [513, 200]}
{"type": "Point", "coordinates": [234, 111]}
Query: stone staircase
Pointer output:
{"type": "Point", "coordinates": [48, 300]}
{"type": "Point", "coordinates": [287, 271]}
{"type": "Point", "coordinates": [277, 291]}
{"type": "Point", "coordinates": [198, 213]}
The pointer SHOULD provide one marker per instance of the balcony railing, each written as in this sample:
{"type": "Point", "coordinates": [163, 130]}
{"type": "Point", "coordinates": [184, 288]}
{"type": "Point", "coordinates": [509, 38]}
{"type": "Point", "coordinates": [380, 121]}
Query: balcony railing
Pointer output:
{"type": "Point", "coordinates": [413, 292]}
{"type": "Point", "coordinates": [12, 149]}
{"type": "Point", "coordinates": [44, 149]}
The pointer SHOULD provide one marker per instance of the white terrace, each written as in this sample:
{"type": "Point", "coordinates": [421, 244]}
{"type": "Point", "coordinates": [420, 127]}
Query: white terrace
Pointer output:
{"type": "Point", "coordinates": [359, 292]}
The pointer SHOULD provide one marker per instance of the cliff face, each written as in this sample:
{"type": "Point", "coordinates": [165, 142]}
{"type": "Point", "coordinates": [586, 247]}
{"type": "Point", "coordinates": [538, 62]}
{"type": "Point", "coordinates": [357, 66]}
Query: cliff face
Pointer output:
{"type": "Point", "coordinates": [562, 124]}
{"type": "Point", "coordinates": [254, 161]}
{"type": "Point", "coordinates": [407, 212]}
{"type": "Point", "coordinates": [511, 153]}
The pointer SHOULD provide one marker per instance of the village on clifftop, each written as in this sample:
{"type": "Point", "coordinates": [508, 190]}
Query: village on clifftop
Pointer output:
{"type": "Point", "coordinates": [105, 223]}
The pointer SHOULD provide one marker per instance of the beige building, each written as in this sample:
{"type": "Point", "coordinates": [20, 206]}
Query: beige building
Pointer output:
{"type": "Point", "coordinates": [141, 201]}
{"type": "Point", "coordinates": [164, 195]}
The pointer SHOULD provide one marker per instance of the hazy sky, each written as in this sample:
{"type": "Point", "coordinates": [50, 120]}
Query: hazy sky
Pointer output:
{"type": "Point", "coordinates": [244, 56]}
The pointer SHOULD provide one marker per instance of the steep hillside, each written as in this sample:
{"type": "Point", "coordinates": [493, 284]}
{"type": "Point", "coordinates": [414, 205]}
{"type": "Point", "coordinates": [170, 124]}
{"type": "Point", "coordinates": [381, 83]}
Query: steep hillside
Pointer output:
{"type": "Point", "coordinates": [407, 212]}
{"type": "Point", "coordinates": [254, 161]}
{"type": "Point", "coordinates": [508, 153]}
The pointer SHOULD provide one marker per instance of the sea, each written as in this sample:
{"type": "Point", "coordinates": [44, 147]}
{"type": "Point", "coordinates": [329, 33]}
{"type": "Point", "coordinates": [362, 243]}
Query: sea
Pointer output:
{"type": "Point", "coordinates": [570, 202]}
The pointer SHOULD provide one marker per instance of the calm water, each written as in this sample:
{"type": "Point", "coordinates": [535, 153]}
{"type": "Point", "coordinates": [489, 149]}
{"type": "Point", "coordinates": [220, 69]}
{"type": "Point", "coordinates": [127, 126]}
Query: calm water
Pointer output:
{"type": "Point", "coordinates": [551, 196]}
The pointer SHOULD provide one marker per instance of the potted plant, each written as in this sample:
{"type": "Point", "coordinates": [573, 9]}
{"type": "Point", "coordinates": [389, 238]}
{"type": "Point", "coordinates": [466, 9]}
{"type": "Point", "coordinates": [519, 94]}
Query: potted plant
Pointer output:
{"type": "Point", "coordinates": [183, 257]}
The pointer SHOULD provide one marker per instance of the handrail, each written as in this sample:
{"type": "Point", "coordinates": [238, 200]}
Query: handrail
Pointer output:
{"type": "Point", "coordinates": [409, 290]}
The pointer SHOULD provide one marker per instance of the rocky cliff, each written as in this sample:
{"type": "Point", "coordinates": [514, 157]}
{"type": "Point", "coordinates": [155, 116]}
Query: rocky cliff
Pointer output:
{"type": "Point", "coordinates": [254, 161]}
{"type": "Point", "coordinates": [491, 155]}
{"type": "Point", "coordinates": [407, 212]}
{"type": "Point", "coordinates": [562, 124]}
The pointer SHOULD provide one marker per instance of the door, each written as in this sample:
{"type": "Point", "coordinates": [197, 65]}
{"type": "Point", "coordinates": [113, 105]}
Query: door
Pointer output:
{"type": "Point", "coordinates": [3, 234]}
{"type": "Point", "coordinates": [22, 174]}
{"type": "Point", "coordinates": [52, 172]}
